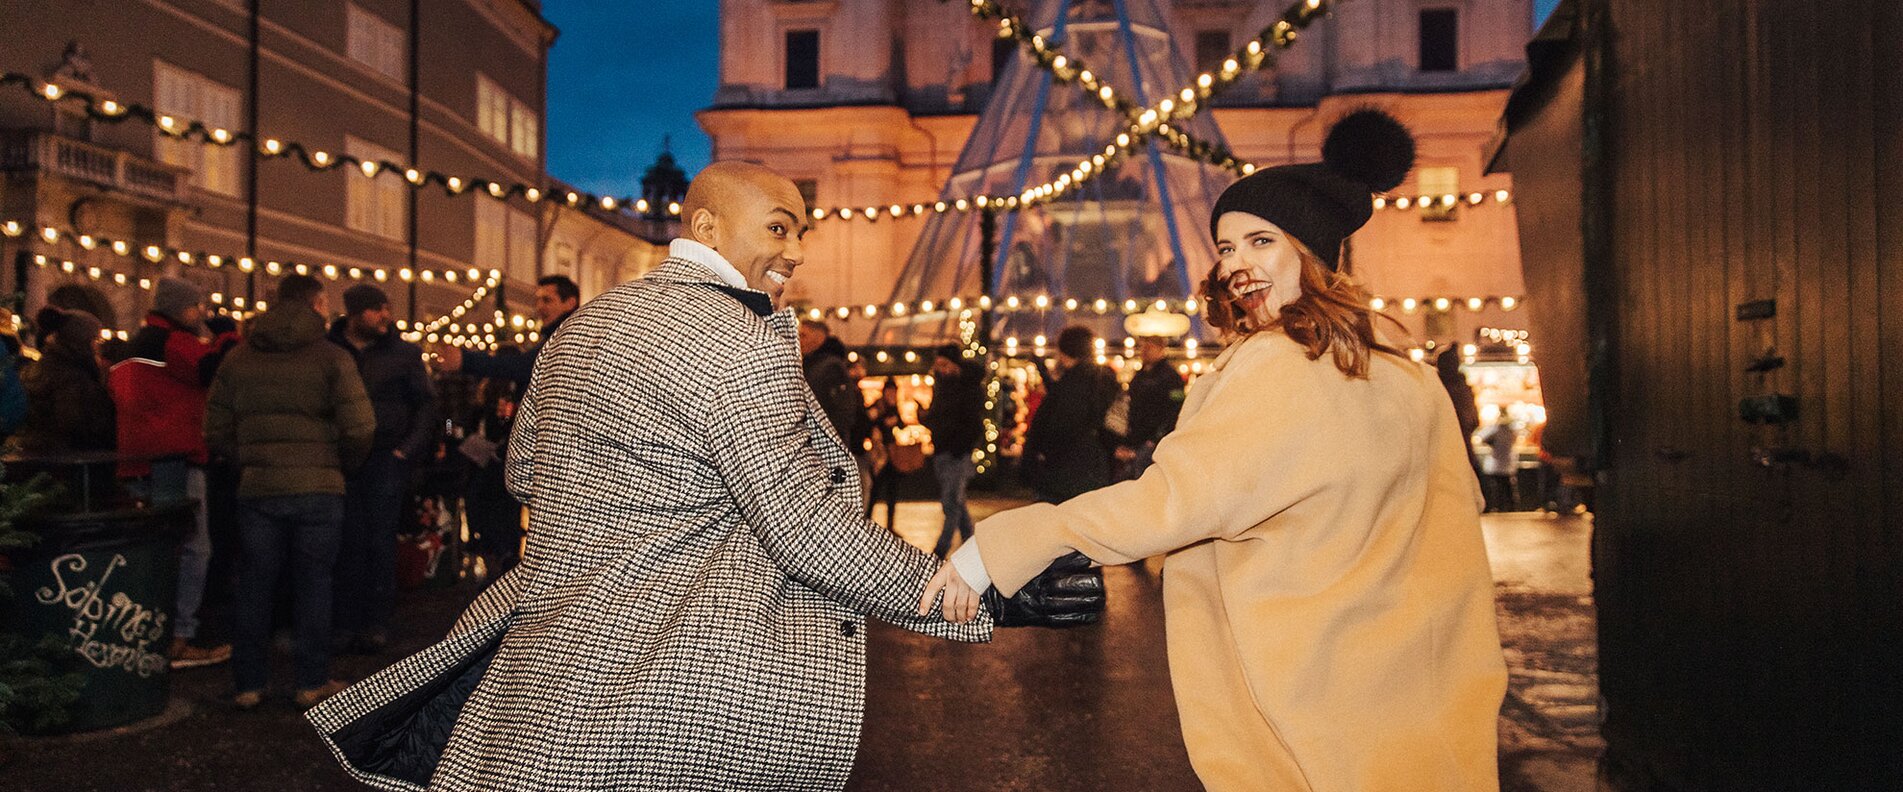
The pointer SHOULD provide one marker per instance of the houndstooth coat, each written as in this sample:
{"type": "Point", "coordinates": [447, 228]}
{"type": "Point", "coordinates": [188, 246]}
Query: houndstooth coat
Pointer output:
{"type": "Point", "coordinates": [689, 612]}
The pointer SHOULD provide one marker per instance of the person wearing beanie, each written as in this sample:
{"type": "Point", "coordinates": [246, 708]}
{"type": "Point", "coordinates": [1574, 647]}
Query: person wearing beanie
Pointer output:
{"type": "Point", "coordinates": [68, 409]}
{"type": "Point", "coordinates": [159, 390]}
{"type": "Point", "coordinates": [1156, 396]}
{"type": "Point", "coordinates": [1329, 604]}
{"type": "Point", "coordinates": [956, 421]}
{"type": "Point", "coordinates": [376, 493]}
{"type": "Point", "coordinates": [1067, 451]}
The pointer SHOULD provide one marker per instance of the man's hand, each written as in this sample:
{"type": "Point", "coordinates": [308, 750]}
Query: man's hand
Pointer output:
{"type": "Point", "coordinates": [961, 602]}
{"type": "Point", "coordinates": [448, 357]}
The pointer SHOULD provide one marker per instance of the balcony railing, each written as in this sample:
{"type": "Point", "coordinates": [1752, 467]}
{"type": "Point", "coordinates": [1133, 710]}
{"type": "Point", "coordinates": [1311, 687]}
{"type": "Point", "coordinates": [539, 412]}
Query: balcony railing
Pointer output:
{"type": "Point", "coordinates": [46, 153]}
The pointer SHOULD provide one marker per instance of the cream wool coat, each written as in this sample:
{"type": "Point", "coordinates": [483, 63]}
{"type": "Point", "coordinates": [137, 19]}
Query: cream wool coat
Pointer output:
{"type": "Point", "coordinates": [1327, 597]}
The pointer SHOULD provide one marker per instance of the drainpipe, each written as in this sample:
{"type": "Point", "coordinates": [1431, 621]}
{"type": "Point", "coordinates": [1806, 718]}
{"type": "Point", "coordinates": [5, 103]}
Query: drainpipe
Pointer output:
{"type": "Point", "coordinates": [416, 43]}
{"type": "Point", "coordinates": [251, 172]}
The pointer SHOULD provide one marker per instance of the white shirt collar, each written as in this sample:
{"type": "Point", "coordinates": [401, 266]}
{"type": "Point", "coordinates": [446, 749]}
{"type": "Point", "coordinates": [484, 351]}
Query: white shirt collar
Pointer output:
{"type": "Point", "coordinates": [689, 250]}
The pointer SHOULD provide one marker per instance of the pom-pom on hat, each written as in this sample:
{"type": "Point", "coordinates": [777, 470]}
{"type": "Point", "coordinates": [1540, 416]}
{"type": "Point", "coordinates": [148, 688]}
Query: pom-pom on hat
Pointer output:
{"type": "Point", "coordinates": [1321, 203]}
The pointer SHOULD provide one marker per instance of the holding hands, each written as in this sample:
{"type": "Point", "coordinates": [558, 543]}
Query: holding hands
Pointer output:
{"type": "Point", "coordinates": [961, 601]}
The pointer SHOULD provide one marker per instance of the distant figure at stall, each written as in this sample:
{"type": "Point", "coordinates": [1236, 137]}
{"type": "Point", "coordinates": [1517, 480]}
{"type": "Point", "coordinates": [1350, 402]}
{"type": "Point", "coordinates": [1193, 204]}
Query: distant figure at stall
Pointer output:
{"type": "Point", "coordinates": [1066, 451]}
{"type": "Point", "coordinates": [1500, 465]}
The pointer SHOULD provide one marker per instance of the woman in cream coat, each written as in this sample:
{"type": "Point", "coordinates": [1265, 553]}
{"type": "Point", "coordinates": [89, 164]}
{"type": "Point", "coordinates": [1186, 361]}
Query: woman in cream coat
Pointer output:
{"type": "Point", "coordinates": [1328, 603]}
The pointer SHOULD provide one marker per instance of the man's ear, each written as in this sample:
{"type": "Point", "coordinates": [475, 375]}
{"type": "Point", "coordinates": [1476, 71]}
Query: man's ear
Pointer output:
{"type": "Point", "coordinates": [703, 228]}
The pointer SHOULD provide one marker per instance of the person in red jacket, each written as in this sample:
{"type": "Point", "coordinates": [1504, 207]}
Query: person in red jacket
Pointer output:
{"type": "Point", "coordinates": [160, 396]}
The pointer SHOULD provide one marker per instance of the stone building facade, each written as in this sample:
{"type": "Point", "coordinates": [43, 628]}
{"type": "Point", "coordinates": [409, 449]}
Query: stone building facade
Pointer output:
{"type": "Point", "coordinates": [455, 86]}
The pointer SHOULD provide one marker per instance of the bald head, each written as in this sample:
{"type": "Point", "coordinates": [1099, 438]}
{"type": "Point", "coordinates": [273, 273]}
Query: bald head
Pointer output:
{"type": "Point", "coordinates": [753, 217]}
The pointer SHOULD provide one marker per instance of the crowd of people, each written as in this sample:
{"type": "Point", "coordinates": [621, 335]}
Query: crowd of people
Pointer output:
{"type": "Point", "coordinates": [300, 435]}
{"type": "Point", "coordinates": [1086, 429]}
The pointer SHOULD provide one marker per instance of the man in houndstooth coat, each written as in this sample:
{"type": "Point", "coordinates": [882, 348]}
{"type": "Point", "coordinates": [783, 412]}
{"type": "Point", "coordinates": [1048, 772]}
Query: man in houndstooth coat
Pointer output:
{"type": "Point", "coordinates": [689, 611]}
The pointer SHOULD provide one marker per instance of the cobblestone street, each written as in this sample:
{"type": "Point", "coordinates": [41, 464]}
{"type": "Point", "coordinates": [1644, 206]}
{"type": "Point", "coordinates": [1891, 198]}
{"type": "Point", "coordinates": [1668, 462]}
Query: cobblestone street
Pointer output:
{"type": "Point", "coordinates": [1038, 709]}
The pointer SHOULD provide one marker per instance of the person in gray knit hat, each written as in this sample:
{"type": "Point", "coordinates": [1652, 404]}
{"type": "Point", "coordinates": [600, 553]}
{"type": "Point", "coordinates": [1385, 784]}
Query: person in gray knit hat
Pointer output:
{"type": "Point", "coordinates": [1330, 610]}
{"type": "Point", "coordinates": [159, 393]}
{"type": "Point", "coordinates": [179, 299]}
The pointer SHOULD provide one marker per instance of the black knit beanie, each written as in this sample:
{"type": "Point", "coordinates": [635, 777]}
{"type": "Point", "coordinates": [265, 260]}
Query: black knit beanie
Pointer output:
{"type": "Point", "coordinates": [1321, 203]}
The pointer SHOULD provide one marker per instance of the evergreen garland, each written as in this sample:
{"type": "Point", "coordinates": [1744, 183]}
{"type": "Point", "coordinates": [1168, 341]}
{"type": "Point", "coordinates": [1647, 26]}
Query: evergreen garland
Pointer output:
{"type": "Point", "coordinates": [37, 682]}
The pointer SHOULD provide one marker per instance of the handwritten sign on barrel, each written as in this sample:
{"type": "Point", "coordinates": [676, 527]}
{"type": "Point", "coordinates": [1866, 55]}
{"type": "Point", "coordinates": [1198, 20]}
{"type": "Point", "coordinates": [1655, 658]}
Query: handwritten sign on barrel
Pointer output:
{"type": "Point", "coordinates": [110, 629]}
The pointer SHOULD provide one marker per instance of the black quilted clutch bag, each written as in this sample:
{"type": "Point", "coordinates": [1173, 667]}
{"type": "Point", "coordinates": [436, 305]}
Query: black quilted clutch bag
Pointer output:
{"type": "Point", "coordinates": [1068, 594]}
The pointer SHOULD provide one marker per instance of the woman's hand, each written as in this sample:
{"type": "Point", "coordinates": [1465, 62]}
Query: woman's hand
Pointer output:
{"type": "Point", "coordinates": [961, 601]}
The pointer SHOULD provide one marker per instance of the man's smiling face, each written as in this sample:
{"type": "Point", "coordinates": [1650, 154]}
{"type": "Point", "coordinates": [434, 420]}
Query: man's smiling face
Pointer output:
{"type": "Point", "coordinates": [755, 219]}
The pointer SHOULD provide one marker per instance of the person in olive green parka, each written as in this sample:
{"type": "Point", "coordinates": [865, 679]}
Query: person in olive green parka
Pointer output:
{"type": "Point", "coordinates": [290, 407]}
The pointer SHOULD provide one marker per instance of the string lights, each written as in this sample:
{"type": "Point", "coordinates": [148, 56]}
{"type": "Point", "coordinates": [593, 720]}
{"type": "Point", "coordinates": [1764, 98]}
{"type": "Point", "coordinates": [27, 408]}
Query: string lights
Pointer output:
{"type": "Point", "coordinates": [318, 159]}
{"type": "Point", "coordinates": [484, 282]}
{"type": "Point", "coordinates": [1106, 307]}
{"type": "Point", "coordinates": [1145, 122]}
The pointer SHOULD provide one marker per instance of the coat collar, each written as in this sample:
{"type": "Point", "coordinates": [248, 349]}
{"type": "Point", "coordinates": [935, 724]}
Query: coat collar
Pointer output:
{"type": "Point", "coordinates": [691, 262]}
{"type": "Point", "coordinates": [709, 259]}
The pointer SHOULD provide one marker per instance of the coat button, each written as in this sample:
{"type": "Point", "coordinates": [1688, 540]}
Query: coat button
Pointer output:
{"type": "Point", "coordinates": [838, 475]}
{"type": "Point", "coordinates": [848, 629]}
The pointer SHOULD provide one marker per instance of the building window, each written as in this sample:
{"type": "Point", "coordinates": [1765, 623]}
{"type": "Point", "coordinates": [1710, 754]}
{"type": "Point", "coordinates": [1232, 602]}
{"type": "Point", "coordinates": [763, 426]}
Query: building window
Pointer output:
{"type": "Point", "coordinates": [492, 234]}
{"type": "Point", "coordinates": [1435, 184]}
{"type": "Point", "coordinates": [507, 120]}
{"type": "Point", "coordinates": [374, 42]}
{"type": "Point", "coordinates": [1002, 51]}
{"type": "Point", "coordinates": [190, 96]}
{"type": "Point", "coordinates": [525, 131]}
{"type": "Point", "coordinates": [505, 239]}
{"type": "Point", "coordinates": [522, 246]}
{"type": "Point", "coordinates": [377, 205]}
{"type": "Point", "coordinates": [1212, 48]}
{"type": "Point", "coordinates": [1440, 40]}
{"type": "Point", "coordinates": [802, 59]}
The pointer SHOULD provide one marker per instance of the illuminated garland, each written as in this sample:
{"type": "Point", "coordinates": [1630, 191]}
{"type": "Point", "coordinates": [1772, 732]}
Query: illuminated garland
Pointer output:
{"type": "Point", "coordinates": [156, 254]}
{"type": "Point", "coordinates": [1102, 307]}
{"type": "Point", "coordinates": [316, 159]}
{"type": "Point", "coordinates": [1175, 105]}
{"type": "Point", "coordinates": [1145, 123]}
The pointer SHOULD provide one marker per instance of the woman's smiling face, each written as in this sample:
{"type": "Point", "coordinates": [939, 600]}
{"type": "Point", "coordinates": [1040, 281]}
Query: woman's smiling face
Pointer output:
{"type": "Point", "coordinates": [1259, 263]}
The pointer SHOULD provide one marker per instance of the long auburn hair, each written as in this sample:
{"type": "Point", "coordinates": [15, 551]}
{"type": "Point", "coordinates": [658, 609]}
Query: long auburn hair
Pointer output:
{"type": "Point", "coordinates": [1330, 317]}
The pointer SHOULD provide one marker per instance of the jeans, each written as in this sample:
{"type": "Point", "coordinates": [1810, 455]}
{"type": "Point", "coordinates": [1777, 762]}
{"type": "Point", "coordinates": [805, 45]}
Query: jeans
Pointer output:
{"type": "Point", "coordinates": [366, 559]}
{"type": "Point", "coordinates": [194, 555]}
{"type": "Point", "coordinates": [301, 531]}
{"type": "Point", "coordinates": [954, 472]}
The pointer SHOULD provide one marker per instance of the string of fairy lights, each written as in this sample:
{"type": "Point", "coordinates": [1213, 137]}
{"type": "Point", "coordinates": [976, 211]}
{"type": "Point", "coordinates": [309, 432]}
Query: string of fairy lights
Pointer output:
{"type": "Point", "coordinates": [483, 282]}
{"type": "Point", "coordinates": [1145, 123]}
{"type": "Point", "coordinates": [1104, 307]}
{"type": "Point", "coordinates": [109, 110]}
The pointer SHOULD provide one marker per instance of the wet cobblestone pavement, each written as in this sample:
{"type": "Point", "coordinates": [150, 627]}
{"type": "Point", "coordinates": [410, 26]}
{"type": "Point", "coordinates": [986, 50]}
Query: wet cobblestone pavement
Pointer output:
{"type": "Point", "coordinates": [1087, 708]}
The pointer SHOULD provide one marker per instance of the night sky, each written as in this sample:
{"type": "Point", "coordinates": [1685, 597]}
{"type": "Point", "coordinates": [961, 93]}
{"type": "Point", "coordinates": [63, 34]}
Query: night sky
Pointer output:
{"type": "Point", "coordinates": [625, 73]}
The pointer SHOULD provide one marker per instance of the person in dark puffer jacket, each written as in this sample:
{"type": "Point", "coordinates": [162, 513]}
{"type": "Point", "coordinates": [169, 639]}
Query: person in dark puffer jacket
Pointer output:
{"type": "Point", "coordinates": [292, 408]}
{"type": "Point", "coordinates": [374, 496]}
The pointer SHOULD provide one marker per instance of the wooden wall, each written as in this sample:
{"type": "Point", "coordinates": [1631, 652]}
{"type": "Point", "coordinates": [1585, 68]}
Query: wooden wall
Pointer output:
{"type": "Point", "coordinates": [1749, 612]}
